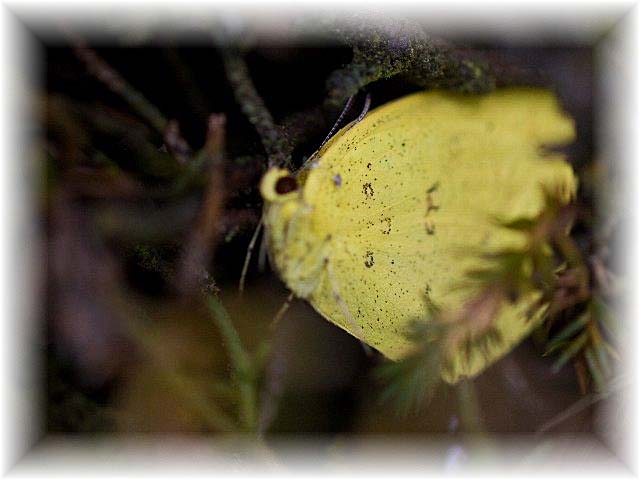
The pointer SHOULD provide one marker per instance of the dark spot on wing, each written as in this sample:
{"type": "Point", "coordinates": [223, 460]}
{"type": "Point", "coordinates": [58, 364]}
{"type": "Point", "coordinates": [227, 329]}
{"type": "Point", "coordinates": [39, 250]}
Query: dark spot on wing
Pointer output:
{"type": "Point", "coordinates": [367, 189]}
{"type": "Point", "coordinates": [368, 260]}
{"type": "Point", "coordinates": [386, 226]}
{"type": "Point", "coordinates": [337, 180]}
{"type": "Point", "coordinates": [430, 226]}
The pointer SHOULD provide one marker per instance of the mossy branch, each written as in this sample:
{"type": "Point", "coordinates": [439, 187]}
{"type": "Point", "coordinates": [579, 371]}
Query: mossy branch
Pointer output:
{"type": "Point", "coordinates": [273, 136]}
{"type": "Point", "coordinates": [400, 47]}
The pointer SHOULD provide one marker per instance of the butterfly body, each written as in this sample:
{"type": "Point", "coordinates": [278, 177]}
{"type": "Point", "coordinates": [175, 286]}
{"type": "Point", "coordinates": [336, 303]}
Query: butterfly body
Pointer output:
{"type": "Point", "coordinates": [379, 226]}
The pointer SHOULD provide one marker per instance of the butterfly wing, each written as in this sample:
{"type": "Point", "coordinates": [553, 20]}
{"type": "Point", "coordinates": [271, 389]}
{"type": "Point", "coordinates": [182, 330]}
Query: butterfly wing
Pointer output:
{"type": "Point", "coordinates": [410, 196]}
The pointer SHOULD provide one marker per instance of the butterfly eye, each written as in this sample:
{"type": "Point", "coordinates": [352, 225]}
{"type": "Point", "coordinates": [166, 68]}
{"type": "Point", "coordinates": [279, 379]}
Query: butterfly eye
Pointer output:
{"type": "Point", "coordinates": [286, 184]}
{"type": "Point", "coordinates": [277, 185]}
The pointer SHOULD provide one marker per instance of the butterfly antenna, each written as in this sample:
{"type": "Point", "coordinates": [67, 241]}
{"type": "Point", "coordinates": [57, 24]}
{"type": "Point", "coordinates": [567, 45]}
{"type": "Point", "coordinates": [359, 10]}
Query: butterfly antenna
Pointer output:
{"type": "Point", "coordinates": [365, 109]}
{"type": "Point", "coordinates": [335, 125]}
{"type": "Point", "coordinates": [247, 258]}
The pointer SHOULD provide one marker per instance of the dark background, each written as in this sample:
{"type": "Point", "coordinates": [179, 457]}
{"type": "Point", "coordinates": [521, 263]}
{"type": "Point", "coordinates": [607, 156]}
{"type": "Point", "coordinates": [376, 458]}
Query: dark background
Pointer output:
{"type": "Point", "coordinates": [112, 243]}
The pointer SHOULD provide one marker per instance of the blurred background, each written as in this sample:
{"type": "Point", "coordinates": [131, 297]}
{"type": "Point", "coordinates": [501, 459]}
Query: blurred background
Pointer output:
{"type": "Point", "coordinates": [152, 145]}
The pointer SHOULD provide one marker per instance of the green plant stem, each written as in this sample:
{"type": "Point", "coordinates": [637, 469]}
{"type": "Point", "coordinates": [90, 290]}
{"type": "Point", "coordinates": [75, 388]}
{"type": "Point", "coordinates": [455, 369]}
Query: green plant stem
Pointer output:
{"type": "Point", "coordinates": [213, 416]}
{"type": "Point", "coordinates": [468, 407]}
{"type": "Point", "coordinates": [208, 411]}
{"type": "Point", "coordinates": [240, 362]}
{"type": "Point", "coordinates": [192, 172]}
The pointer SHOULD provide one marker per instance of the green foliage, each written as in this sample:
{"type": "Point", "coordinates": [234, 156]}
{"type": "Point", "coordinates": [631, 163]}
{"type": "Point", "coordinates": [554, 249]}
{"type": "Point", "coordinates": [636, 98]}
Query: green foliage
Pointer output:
{"type": "Point", "coordinates": [549, 263]}
{"type": "Point", "coordinates": [411, 383]}
{"type": "Point", "coordinates": [587, 339]}
{"type": "Point", "coordinates": [563, 337]}
{"type": "Point", "coordinates": [244, 372]}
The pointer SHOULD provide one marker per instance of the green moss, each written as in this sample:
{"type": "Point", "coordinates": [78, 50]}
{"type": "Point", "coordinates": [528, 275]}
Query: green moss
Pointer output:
{"type": "Point", "coordinates": [402, 48]}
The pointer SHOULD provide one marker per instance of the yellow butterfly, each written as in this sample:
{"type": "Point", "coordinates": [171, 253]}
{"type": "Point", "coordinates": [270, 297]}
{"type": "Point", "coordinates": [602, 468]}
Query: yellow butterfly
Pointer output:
{"type": "Point", "coordinates": [370, 231]}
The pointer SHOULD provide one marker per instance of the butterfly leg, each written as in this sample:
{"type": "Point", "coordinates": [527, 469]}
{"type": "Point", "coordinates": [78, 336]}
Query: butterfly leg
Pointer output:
{"type": "Point", "coordinates": [357, 329]}
{"type": "Point", "coordinates": [263, 254]}
{"type": "Point", "coordinates": [247, 258]}
{"type": "Point", "coordinates": [283, 309]}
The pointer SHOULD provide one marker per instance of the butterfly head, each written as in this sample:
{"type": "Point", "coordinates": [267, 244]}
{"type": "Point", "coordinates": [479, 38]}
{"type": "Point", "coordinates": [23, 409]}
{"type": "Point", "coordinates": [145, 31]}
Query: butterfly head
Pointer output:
{"type": "Point", "coordinates": [278, 185]}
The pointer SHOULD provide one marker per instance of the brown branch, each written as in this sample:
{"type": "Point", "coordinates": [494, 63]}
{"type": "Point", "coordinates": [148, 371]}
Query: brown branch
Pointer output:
{"type": "Point", "coordinates": [200, 246]}
{"type": "Point", "coordinates": [175, 143]}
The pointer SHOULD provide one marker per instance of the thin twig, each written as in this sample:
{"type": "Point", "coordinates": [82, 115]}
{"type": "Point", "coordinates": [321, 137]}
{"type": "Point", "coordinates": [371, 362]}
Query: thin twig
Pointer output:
{"type": "Point", "coordinates": [175, 143]}
{"type": "Point", "coordinates": [169, 130]}
{"type": "Point", "coordinates": [188, 87]}
{"type": "Point", "coordinates": [114, 81]}
{"type": "Point", "coordinates": [580, 405]}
